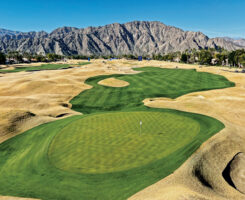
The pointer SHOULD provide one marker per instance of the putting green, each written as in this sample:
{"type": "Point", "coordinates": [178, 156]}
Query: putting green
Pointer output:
{"type": "Point", "coordinates": [112, 141]}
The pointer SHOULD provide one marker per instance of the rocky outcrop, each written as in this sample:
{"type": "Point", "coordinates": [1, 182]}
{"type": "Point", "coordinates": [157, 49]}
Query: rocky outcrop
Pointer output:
{"type": "Point", "coordinates": [138, 38]}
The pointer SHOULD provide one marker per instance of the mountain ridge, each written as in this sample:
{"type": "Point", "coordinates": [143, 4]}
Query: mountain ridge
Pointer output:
{"type": "Point", "coordinates": [137, 37]}
{"type": "Point", "coordinates": [7, 32]}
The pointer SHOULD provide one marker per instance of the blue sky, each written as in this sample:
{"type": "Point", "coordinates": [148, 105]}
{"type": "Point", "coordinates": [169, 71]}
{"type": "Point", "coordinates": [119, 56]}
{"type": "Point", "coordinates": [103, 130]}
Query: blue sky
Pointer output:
{"type": "Point", "coordinates": [212, 17]}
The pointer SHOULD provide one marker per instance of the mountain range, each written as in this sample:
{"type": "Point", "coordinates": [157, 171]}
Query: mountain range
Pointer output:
{"type": "Point", "coordinates": [137, 37]}
{"type": "Point", "coordinates": [7, 32]}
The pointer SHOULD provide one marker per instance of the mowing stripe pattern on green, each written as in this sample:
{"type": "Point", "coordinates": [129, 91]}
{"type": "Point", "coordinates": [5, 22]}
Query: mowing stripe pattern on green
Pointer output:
{"type": "Point", "coordinates": [150, 83]}
{"type": "Point", "coordinates": [114, 142]}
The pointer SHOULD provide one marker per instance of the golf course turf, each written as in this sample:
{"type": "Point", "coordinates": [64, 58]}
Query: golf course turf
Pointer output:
{"type": "Point", "coordinates": [103, 154]}
{"type": "Point", "coordinates": [42, 67]}
{"type": "Point", "coordinates": [153, 82]}
{"type": "Point", "coordinates": [116, 143]}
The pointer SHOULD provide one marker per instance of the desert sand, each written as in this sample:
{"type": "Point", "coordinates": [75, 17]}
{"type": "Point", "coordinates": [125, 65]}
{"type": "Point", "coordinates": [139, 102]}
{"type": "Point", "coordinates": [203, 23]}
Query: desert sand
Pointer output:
{"type": "Point", "coordinates": [28, 99]}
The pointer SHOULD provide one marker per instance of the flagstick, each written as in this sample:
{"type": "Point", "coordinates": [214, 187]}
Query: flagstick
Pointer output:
{"type": "Point", "coordinates": [140, 129]}
{"type": "Point", "coordinates": [140, 126]}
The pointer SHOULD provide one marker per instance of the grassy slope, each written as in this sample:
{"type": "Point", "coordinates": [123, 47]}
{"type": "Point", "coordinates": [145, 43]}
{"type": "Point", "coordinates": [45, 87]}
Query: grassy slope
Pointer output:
{"type": "Point", "coordinates": [42, 67]}
{"type": "Point", "coordinates": [25, 168]}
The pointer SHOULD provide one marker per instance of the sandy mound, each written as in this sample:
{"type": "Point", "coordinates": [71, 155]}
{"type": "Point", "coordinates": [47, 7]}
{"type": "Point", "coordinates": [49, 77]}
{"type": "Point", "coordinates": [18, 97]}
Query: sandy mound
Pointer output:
{"type": "Point", "coordinates": [237, 172]}
{"type": "Point", "coordinates": [113, 82]}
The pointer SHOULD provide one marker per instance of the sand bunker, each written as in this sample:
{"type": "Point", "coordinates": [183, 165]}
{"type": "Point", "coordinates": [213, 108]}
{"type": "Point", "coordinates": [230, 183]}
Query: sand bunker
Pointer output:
{"type": "Point", "coordinates": [113, 82]}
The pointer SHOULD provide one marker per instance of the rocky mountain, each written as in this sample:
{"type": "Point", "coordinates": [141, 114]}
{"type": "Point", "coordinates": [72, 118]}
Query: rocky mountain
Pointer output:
{"type": "Point", "coordinates": [7, 32]}
{"type": "Point", "coordinates": [137, 37]}
{"type": "Point", "coordinates": [240, 41]}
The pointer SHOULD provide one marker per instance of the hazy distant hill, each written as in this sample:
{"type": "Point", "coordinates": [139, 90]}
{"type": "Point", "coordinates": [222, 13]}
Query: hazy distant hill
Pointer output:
{"type": "Point", "coordinates": [137, 37]}
{"type": "Point", "coordinates": [239, 41]}
{"type": "Point", "coordinates": [7, 32]}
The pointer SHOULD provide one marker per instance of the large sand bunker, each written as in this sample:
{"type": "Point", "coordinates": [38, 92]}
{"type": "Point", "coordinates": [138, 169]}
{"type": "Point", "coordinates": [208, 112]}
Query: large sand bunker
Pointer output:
{"type": "Point", "coordinates": [28, 99]}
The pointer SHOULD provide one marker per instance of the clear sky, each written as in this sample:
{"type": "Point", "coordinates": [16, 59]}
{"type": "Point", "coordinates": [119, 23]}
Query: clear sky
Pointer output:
{"type": "Point", "coordinates": [212, 17]}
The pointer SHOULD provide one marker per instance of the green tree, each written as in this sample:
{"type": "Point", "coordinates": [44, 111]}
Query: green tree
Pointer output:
{"type": "Point", "coordinates": [241, 60]}
{"type": "Point", "coordinates": [28, 56]}
{"type": "Point", "coordinates": [205, 57]}
{"type": "Point", "coordinates": [2, 58]}
{"type": "Point", "coordinates": [236, 57]}
{"type": "Point", "coordinates": [15, 55]}
{"type": "Point", "coordinates": [184, 58]}
{"type": "Point", "coordinates": [40, 58]}
{"type": "Point", "coordinates": [53, 57]}
{"type": "Point", "coordinates": [221, 58]}
{"type": "Point", "coordinates": [231, 58]}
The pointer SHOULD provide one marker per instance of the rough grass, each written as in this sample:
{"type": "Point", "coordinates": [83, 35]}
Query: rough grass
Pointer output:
{"type": "Point", "coordinates": [42, 67]}
{"type": "Point", "coordinates": [27, 165]}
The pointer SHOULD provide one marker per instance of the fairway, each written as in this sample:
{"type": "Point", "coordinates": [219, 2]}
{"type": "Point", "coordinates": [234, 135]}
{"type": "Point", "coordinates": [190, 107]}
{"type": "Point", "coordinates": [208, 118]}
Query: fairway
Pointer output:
{"type": "Point", "coordinates": [113, 141]}
{"type": "Point", "coordinates": [149, 83]}
{"type": "Point", "coordinates": [103, 154]}
{"type": "Point", "coordinates": [42, 67]}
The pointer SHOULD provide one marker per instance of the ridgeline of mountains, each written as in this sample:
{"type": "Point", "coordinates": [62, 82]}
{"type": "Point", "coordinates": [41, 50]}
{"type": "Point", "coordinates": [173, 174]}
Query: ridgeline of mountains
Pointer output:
{"type": "Point", "coordinates": [137, 37]}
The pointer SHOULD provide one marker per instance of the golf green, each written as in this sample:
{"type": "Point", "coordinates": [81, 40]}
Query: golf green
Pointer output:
{"type": "Point", "coordinates": [115, 141]}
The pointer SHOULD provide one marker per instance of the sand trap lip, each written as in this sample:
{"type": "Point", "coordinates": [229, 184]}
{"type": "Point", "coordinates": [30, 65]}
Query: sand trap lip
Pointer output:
{"type": "Point", "coordinates": [113, 82]}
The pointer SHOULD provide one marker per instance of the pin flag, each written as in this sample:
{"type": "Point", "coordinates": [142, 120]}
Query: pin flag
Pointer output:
{"type": "Point", "coordinates": [140, 126]}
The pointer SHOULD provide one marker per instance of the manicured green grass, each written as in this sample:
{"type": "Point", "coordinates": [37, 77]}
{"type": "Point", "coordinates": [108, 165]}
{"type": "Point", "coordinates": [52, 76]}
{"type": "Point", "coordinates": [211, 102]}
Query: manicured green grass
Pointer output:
{"type": "Point", "coordinates": [26, 169]}
{"type": "Point", "coordinates": [82, 63]}
{"type": "Point", "coordinates": [93, 156]}
{"type": "Point", "coordinates": [112, 142]}
{"type": "Point", "coordinates": [42, 67]}
{"type": "Point", "coordinates": [152, 82]}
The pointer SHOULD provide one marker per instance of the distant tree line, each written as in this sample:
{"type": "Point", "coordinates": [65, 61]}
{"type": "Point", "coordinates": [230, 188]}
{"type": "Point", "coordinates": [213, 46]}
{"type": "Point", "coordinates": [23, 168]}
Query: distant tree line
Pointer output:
{"type": "Point", "coordinates": [17, 57]}
{"type": "Point", "coordinates": [210, 56]}
{"type": "Point", "coordinates": [218, 57]}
